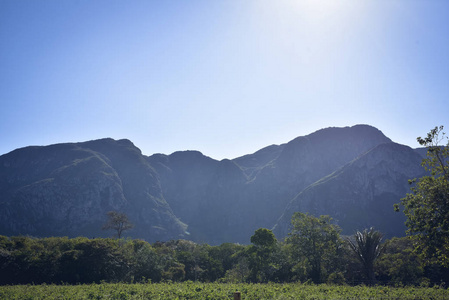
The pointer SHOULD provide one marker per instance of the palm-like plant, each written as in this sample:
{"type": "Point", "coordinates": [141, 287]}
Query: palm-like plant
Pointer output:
{"type": "Point", "coordinates": [368, 247]}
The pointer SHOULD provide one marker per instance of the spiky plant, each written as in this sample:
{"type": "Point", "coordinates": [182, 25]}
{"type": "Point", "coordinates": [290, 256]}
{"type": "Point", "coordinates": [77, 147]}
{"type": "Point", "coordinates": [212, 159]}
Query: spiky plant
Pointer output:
{"type": "Point", "coordinates": [368, 247]}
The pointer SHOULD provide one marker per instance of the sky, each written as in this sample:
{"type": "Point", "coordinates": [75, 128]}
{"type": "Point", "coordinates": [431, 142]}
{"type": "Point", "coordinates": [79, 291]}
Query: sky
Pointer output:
{"type": "Point", "coordinates": [224, 77]}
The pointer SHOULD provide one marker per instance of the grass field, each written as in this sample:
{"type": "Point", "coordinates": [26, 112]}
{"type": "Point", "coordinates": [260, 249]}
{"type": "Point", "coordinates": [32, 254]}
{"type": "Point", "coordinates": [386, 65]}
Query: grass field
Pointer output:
{"type": "Point", "coordinates": [190, 290]}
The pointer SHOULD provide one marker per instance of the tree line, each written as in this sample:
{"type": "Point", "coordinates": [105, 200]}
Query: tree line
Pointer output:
{"type": "Point", "coordinates": [307, 258]}
{"type": "Point", "coordinates": [314, 250]}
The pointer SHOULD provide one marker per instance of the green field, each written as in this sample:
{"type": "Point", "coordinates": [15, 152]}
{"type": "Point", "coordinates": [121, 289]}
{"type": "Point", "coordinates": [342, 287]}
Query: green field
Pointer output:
{"type": "Point", "coordinates": [190, 290]}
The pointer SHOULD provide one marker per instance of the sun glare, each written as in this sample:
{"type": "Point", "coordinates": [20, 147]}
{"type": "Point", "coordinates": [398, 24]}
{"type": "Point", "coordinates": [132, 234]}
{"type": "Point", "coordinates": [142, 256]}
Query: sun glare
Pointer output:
{"type": "Point", "coordinates": [319, 6]}
{"type": "Point", "coordinates": [321, 9]}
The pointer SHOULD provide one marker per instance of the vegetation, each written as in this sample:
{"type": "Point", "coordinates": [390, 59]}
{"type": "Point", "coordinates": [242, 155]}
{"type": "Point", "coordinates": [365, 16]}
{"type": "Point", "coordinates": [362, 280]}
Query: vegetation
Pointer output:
{"type": "Point", "coordinates": [315, 245]}
{"type": "Point", "coordinates": [314, 252]}
{"type": "Point", "coordinates": [260, 255]}
{"type": "Point", "coordinates": [427, 206]}
{"type": "Point", "coordinates": [191, 290]}
{"type": "Point", "coordinates": [118, 222]}
{"type": "Point", "coordinates": [25, 260]}
{"type": "Point", "coordinates": [367, 247]}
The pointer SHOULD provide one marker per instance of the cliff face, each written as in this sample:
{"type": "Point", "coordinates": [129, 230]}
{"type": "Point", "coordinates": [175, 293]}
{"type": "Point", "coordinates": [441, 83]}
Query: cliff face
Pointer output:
{"type": "Point", "coordinates": [203, 192]}
{"type": "Point", "coordinates": [355, 174]}
{"type": "Point", "coordinates": [229, 200]}
{"type": "Point", "coordinates": [362, 193]}
{"type": "Point", "coordinates": [67, 189]}
{"type": "Point", "coordinates": [300, 163]}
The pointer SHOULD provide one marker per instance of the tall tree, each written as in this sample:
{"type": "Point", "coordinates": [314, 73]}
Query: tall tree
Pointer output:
{"type": "Point", "coordinates": [264, 243]}
{"type": "Point", "coordinates": [427, 206]}
{"type": "Point", "coordinates": [118, 222]}
{"type": "Point", "coordinates": [367, 245]}
{"type": "Point", "coordinates": [315, 244]}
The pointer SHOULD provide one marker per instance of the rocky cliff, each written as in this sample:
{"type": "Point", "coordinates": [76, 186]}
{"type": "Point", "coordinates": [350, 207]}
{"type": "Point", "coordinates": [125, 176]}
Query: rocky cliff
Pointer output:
{"type": "Point", "coordinates": [362, 193]}
{"type": "Point", "coordinates": [67, 189]}
{"type": "Point", "coordinates": [229, 200]}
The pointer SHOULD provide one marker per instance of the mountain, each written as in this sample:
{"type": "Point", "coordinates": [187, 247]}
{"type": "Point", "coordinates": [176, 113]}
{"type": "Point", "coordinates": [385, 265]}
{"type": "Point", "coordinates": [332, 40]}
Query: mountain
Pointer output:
{"type": "Point", "coordinates": [229, 200]}
{"type": "Point", "coordinates": [202, 192]}
{"type": "Point", "coordinates": [66, 189]}
{"type": "Point", "coordinates": [354, 174]}
{"type": "Point", "coordinates": [298, 164]}
{"type": "Point", "coordinates": [362, 193]}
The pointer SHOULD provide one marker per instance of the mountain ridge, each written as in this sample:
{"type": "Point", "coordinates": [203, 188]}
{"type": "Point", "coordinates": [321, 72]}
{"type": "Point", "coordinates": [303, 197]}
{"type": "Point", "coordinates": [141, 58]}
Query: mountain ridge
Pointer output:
{"type": "Point", "coordinates": [77, 183]}
{"type": "Point", "coordinates": [368, 184]}
{"type": "Point", "coordinates": [186, 194]}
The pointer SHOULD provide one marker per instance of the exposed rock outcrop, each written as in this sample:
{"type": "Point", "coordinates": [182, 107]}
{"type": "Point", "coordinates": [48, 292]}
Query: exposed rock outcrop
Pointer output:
{"type": "Point", "coordinates": [362, 193]}
{"type": "Point", "coordinates": [67, 189]}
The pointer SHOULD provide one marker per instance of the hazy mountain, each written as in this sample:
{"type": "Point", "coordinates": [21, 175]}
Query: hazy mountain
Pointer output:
{"type": "Point", "coordinates": [229, 200]}
{"type": "Point", "coordinates": [354, 174]}
{"type": "Point", "coordinates": [201, 191]}
{"type": "Point", "coordinates": [299, 163]}
{"type": "Point", "coordinates": [66, 189]}
{"type": "Point", "coordinates": [362, 193]}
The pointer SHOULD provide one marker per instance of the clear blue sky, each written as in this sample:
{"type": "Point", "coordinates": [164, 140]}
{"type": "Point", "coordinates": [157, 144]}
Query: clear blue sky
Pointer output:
{"type": "Point", "coordinates": [225, 77]}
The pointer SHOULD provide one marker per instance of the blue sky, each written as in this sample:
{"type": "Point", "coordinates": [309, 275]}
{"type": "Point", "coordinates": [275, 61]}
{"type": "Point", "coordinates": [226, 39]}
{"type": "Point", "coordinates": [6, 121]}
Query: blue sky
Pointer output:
{"type": "Point", "coordinates": [225, 77]}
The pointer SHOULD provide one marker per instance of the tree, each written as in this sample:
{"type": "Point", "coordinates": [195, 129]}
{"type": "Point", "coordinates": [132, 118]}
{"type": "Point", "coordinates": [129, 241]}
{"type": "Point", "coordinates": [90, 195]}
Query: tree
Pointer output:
{"type": "Point", "coordinates": [118, 222]}
{"type": "Point", "coordinates": [145, 262]}
{"type": "Point", "coordinates": [263, 238]}
{"type": "Point", "coordinates": [399, 264]}
{"type": "Point", "coordinates": [427, 206]}
{"type": "Point", "coordinates": [367, 247]}
{"type": "Point", "coordinates": [315, 243]}
{"type": "Point", "coordinates": [260, 253]}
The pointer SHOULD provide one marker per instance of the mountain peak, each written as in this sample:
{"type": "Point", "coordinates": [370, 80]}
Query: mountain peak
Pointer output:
{"type": "Point", "coordinates": [66, 189]}
{"type": "Point", "coordinates": [357, 131]}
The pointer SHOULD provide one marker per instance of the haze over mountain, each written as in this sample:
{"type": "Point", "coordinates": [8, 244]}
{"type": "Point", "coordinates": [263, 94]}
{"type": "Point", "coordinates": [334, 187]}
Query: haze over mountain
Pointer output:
{"type": "Point", "coordinates": [66, 189]}
{"type": "Point", "coordinates": [354, 174]}
{"type": "Point", "coordinates": [361, 194]}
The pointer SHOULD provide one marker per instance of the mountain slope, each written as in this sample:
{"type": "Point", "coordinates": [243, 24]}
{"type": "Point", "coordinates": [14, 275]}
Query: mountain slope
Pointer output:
{"type": "Point", "coordinates": [362, 193]}
{"type": "Point", "coordinates": [201, 191]}
{"type": "Point", "coordinates": [228, 200]}
{"type": "Point", "coordinates": [300, 162]}
{"type": "Point", "coordinates": [66, 189]}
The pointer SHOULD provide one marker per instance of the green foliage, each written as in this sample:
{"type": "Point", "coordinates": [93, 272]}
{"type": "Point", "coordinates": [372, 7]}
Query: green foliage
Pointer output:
{"type": "Point", "coordinates": [315, 244]}
{"type": "Point", "coordinates": [336, 278]}
{"type": "Point", "coordinates": [25, 260]}
{"type": "Point", "coordinates": [263, 238]}
{"type": "Point", "coordinates": [79, 260]}
{"type": "Point", "coordinates": [400, 265]}
{"type": "Point", "coordinates": [239, 273]}
{"type": "Point", "coordinates": [367, 246]}
{"type": "Point", "coordinates": [216, 291]}
{"type": "Point", "coordinates": [144, 262]}
{"type": "Point", "coordinates": [260, 255]}
{"type": "Point", "coordinates": [427, 206]}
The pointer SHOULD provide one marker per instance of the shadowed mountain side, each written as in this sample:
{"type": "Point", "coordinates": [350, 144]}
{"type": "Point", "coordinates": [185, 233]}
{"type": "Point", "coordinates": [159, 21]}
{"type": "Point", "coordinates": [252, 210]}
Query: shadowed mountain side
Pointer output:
{"type": "Point", "coordinates": [362, 193]}
{"type": "Point", "coordinates": [300, 162]}
{"type": "Point", "coordinates": [252, 163]}
{"type": "Point", "coordinates": [66, 189]}
{"type": "Point", "coordinates": [202, 192]}
{"type": "Point", "coordinates": [224, 201]}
